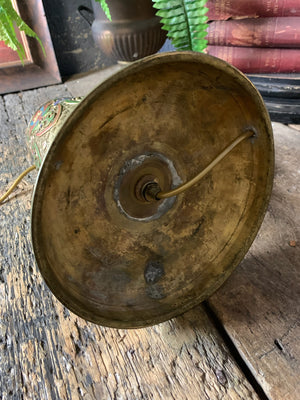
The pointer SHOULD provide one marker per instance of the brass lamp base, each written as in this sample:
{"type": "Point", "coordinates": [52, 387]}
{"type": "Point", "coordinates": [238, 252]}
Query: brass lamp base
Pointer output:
{"type": "Point", "coordinates": [109, 251]}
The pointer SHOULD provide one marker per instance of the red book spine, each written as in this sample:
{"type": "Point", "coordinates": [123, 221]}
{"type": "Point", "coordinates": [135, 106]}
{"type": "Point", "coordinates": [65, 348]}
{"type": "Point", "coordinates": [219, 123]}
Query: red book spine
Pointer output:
{"type": "Point", "coordinates": [257, 59]}
{"type": "Point", "coordinates": [224, 9]}
{"type": "Point", "coordinates": [260, 32]}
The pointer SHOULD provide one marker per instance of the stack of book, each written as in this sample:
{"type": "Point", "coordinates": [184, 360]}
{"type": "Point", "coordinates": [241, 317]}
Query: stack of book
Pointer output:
{"type": "Point", "coordinates": [256, 36]}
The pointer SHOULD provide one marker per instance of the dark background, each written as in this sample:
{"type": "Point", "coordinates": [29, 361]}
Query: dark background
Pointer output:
{"type": "Point", "coordinates": [72, 39]}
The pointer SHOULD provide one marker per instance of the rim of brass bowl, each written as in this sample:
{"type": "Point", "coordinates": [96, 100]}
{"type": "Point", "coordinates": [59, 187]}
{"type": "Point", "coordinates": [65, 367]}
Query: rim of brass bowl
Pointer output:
{"type": "Point", "coordinates": [121, 273]}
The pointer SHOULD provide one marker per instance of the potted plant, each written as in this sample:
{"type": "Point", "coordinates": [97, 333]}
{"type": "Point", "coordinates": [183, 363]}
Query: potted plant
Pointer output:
{"type": "Point", "coordinates": [132, 29]}
{"type": "Point", "coordinates": [184, 20]}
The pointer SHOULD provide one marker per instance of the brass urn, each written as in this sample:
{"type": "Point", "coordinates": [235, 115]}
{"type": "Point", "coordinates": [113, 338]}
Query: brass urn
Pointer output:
{"type": "Point", "coordinates": [133, 33]}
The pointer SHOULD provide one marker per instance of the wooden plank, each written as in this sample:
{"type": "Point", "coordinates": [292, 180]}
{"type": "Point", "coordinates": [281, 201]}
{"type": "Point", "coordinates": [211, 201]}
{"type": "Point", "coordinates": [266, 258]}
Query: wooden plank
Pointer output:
{"type": "Point", "coordinates": [259, 305]}
{"type": "Point", "coordinates": [46, 352]}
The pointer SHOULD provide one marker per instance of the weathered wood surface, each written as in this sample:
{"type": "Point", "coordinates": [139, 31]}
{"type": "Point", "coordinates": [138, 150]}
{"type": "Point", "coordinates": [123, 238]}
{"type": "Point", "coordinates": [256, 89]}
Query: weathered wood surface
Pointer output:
{"type": "Point", "coordinates": [46, 352]}
{"type": "Point", "coordinates": [260, 304]}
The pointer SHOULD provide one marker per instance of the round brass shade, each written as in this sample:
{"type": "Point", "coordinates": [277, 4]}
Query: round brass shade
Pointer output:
{"type": "Point", "coordinates": [108, 254]}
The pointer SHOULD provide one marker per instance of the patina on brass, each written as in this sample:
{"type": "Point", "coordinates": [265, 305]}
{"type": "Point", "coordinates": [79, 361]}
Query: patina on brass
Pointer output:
{"type": "Point", "coordinates": [116, 256]}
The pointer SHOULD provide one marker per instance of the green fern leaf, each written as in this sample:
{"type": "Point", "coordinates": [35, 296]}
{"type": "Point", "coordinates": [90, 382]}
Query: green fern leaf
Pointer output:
{"type": "Point", "coordinates": [185, 21]}
{"type": "Point", "coordinates": [8, 20]}
{"type": "Point", "coordinates": [105, 8]}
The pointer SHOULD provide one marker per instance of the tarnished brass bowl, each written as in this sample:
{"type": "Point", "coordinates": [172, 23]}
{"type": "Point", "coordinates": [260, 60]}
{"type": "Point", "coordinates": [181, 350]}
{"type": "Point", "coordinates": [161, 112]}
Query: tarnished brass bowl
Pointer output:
{"type": "Point", "coordinates": [109, 252]}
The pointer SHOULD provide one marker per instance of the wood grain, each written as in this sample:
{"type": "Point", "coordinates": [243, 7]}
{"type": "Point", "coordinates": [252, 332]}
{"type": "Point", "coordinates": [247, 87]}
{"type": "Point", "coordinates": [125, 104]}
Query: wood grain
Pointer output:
{"type": "Point", "coordinates": [259, 305]}
{"type": "Point", "coordinates": [48, 353]}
